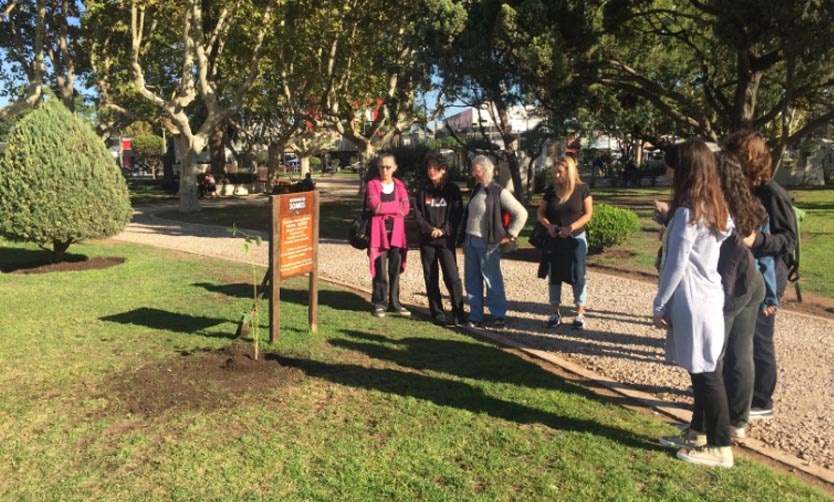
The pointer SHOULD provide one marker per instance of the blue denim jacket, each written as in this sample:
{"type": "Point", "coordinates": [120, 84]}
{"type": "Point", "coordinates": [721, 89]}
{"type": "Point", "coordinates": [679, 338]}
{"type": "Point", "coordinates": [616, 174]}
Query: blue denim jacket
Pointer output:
{"type": "Point", "coordinates": [767, 266]}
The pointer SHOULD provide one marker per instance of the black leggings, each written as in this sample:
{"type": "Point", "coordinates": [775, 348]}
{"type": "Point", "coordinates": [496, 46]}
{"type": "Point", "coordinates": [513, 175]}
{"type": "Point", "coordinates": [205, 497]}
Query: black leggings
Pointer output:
{"type": "Point", "coordinates": [431, 256]}
{"type": "Point", "coordinates": [711, 413]}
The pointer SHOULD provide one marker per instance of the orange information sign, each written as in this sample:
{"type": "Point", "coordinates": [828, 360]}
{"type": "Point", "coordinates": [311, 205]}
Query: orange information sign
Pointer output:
{"type": "Point", "coordinates": [295, 246]}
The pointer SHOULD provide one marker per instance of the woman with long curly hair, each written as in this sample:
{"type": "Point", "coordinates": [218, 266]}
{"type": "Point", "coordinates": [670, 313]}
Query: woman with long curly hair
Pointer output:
{"type": "Point", "coordinates": [752, 152]}
{"type": "Point", "coordinates": [690, 298]}
{"type": "Point", "coordinates": [747, 291]}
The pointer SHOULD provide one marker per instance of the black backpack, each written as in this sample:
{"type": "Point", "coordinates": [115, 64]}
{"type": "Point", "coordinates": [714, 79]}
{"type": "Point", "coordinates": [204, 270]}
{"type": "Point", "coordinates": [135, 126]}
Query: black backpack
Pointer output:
{"type": "Point", "coordinates": [792, 259]}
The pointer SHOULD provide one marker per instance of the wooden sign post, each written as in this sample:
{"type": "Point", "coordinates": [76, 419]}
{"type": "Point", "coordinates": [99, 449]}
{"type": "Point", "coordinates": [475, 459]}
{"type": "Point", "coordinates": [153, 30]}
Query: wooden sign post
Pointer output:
{"type": "Point", "coordinates": [293, 250]}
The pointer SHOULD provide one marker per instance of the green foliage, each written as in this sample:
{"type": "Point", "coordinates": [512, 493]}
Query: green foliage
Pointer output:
{"type": "Point", "coordinates": [144, 142]}
{"type": "Point", "coordinates": [542, 179]}
{"type": "Point", "coordinates": [138, 128]}
{"type": "Point", "coordinates": [610, 226]}
{"type": "Point", "coordinates": [148, 146]}
{"type": "Point", "coordinates": [410, 163]}
{"type": "Point", "coordinates": [58, 182]}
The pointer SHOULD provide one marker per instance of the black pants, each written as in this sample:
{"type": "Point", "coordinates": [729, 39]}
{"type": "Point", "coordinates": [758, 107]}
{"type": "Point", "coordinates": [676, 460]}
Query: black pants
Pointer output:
{"type": "Point", "coordinates": [431, 256]}
{"type": "Point", "coordinates": [710, 413]}
{"type": "Point", "coordinates": [385, 293]}
{"type": "Point", "coordinates": [764, 352]}
{"type": "Point", "coordinates": [738, 371]}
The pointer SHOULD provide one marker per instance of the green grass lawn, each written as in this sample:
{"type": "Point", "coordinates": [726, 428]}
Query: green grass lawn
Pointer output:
{"type": "Point", "coordinates": [111, 389]}
{"type": "Point", "coordinates": [816, 232]}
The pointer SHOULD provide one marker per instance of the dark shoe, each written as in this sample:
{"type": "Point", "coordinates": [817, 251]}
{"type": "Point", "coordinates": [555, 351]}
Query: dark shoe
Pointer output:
{"type": "Point", "coordinates": [757, 413]}
{"type": "Point", "coordinates": [378, 312]}
{"type": "Point", "coordinates": [460, 320]}
{"type": "Point", "coordinates": [578, 322]}
{"type": "Point", "coordinates": [686, 439]}
{"type": "Point", "coordinates": [439, 319]}
{"type": "Point", "coordinates": [474, 324]}
{"type": "Point", "coordinates": [499, 323]}
{"type": "Point", "coordinates": [554, 321]}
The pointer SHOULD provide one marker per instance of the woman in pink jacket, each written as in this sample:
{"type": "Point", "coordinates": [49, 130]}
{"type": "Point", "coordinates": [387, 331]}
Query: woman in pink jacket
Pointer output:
{"type": "Point", "coordinates": [388, 202]}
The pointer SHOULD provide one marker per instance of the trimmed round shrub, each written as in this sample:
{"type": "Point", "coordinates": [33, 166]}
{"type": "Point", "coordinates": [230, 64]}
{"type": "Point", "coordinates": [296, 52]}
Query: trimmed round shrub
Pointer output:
{"type": "Point", "coordinates": [610, 226]}
{"type": "Point", "coordinates": [59, 183]}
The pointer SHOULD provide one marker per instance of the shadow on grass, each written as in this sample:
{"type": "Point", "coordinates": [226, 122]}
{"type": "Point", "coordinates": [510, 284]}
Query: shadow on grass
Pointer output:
{"type": "Point", "coordinates": [462, 358]}
{"type": "Point", "coordinates": [444, 392]}
{"type": "Point", "coordinates": [169, 321]}
{"type": "Point", "coordinates": [15, 258]}
{"type": "Point", "coordinates": [337, 300]}
{"type": "Point", "coordinates": [467, 360]}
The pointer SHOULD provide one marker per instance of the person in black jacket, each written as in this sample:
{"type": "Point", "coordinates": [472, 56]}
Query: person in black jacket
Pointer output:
{"type": "Point", "coordinates": [751, 150]}
{"type": "Point", "coordinates": [438, 209]}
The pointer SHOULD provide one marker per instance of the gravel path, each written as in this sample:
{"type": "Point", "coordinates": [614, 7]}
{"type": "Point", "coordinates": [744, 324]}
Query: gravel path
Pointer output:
{"type": "Point", "coordinates": [619, 342]}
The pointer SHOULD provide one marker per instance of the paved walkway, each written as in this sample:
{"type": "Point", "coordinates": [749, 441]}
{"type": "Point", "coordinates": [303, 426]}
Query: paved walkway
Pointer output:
{"type": "Point", "coordinates": [620, 347]}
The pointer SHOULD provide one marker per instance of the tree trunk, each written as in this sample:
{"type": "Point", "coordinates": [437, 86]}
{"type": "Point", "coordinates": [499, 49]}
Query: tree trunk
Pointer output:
{"type": "Point", "coordinates": [217, 151]}
{"type": "Point", "coordinates": [366, 155]}
{"type": "Point", "coordinates": [304, 165]}
{"type": "Point", "coordinates": [189, 200]}
{"type": "Point", "coordinates": [168, 158]}
{"type": "Point", "coordinates": [59, 250]}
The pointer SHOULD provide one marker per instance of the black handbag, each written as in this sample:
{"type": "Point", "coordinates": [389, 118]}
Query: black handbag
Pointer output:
{"type": "Point", "coordinates": [539, 237]}
{"type": "Point", "coordinates": [359, 233]}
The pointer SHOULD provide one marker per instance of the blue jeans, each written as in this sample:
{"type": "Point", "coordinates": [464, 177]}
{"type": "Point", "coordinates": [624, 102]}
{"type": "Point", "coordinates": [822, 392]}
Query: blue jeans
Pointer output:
{"type": "Point", "coordinates": [580, 256]}
{"type": "Point", "coordinates": [483, 266]}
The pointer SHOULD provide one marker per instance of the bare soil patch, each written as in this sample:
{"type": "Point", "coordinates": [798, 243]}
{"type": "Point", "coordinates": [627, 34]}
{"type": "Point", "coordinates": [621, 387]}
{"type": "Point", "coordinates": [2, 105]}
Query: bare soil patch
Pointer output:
{"type": "Point", "coordinates": [199, 381]}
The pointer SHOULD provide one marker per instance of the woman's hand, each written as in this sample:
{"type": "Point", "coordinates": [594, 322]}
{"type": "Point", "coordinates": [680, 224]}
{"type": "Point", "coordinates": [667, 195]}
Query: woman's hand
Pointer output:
{"type": "Point", "coordinates": [564, 232]}
{"type": "Point", "coordinates": [436, 232]}
{"type": "Point", "coordinates": [750, 239]}
{"type": "Point", "coordinates": [769, 310]}
{"type": "Point", "coordinates": [660, 322]}
{"type": "Point", "coordinates": [553, 230]}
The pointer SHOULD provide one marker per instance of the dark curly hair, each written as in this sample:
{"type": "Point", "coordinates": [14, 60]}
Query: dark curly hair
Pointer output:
{"type": "Point", "coordinates": [745, 208]}
{"type": "Point", "coordinates": [439, 161]}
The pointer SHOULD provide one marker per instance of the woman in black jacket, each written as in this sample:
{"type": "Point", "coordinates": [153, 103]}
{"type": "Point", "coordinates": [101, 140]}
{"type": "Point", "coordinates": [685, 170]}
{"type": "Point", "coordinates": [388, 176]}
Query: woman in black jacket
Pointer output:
{"type": "Point", "coordinates": [438, 209]}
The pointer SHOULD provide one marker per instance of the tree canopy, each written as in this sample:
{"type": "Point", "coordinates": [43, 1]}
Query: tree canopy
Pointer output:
{"type": "Point", "coordinates": [58, 182]}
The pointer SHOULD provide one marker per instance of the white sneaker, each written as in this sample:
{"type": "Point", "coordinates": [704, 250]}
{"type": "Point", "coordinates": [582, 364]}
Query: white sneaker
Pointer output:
{"type": "Point", "coordinates": [714, 456]}
{"type": "Point", "coordinates": [738, 432]}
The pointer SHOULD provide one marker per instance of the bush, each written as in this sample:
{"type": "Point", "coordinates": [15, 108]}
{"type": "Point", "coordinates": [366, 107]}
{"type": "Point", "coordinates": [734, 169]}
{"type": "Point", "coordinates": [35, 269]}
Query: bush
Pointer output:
{"type": "Point", "coordinates": [59, 183]}
{"type": "Point", "coordinates": [610, 226]}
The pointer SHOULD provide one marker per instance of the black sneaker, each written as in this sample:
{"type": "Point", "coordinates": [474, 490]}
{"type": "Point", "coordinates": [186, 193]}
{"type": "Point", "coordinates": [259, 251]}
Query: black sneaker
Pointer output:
{"type": "Point", "coordinates": [554, 321]}
{"type": "Point", "coordinates": [499, 323]}
{"type": "Point", "coordinates": [757, 413]}
{"type": "Point", "coordinates": [578, 322]}
{"type": "Point", "coordinates": [378, 312]}
{"type": "Point", "coordinates": [460, 320]}
{"type": "Point", "coordinates": [439, 319]}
